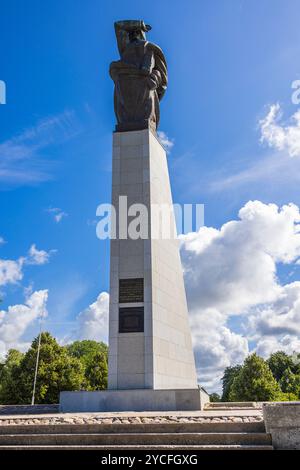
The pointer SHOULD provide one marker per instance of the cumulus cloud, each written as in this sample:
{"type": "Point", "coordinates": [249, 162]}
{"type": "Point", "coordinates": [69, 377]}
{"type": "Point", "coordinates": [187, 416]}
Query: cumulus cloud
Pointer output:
{"type": "Point", "coordinates": [281, 317]}
{"type": "Point", "coordinates": [93, 321]}
{"type": "Point", "coordinates": [276, 326]}
{"type": "Point", "coordinates": [233, 272]}
{"type": "Point", "coordinates": [215, 346]}
{"type": "Point", "coordinates": [10, 271]}
{"type": "Point", "coordinates": [279, 136]}
{"type": "Point", "coordinates": [166, 142]}
{"type": "Point", "coordinates": [16, 319]}
{"type": "Point", "coordinates": [270, 344]}
{"type": "Point", "coordinates": [235, 267]}
{"type": "Point", "coordinates": [38, 256]}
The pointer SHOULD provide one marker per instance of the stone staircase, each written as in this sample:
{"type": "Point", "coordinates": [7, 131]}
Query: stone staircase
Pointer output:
{"type": "Point", "coordinates": [222, 435]}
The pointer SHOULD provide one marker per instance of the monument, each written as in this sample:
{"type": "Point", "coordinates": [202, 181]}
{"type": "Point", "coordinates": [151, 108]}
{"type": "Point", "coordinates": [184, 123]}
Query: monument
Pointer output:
{"type": "Point", "coordinates": [151, 362]}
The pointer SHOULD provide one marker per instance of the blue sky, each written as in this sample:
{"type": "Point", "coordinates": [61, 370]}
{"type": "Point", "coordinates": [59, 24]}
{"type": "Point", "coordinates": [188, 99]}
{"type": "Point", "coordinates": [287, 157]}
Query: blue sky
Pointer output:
{"type": "Point", "coordinates": [228, 62]}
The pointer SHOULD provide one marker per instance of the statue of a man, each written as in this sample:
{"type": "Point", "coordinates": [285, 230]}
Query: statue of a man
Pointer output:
{"type": "Point", "coordinates": [140, 77]}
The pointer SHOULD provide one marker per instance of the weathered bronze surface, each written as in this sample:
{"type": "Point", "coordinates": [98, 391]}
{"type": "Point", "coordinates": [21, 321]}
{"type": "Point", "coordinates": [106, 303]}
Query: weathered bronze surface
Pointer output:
{"type": "Point", "coordinates": [131, 319]}
{"type": "Point", "coordinates": [131, 290]}
{"type": "Point", "coordinates": [140, 77]}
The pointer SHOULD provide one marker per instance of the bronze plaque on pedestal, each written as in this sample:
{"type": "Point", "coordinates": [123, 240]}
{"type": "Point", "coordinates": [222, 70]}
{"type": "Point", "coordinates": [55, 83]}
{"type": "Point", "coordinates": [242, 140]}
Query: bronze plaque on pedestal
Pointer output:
{"type": "Point", "coordinates": [131, 319]}
{"type": "Point", "coordinates": [131, 290]}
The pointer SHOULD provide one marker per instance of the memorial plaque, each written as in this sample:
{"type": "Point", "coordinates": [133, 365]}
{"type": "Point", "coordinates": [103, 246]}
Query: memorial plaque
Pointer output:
{"type": "Point", "coordinates": [131, 319]}
{"type": "Point", "coordinates": [131, 290]}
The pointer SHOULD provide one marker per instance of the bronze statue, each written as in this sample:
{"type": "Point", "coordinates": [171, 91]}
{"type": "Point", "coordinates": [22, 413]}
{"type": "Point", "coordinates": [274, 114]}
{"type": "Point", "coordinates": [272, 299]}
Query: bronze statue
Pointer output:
{"type": "Point", "coordinates": [140, 77]}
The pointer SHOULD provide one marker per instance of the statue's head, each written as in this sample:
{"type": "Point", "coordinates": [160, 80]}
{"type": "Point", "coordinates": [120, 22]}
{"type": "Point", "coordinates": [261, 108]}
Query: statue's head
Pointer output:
{"type": "Point", "coordinates": [138, 34]}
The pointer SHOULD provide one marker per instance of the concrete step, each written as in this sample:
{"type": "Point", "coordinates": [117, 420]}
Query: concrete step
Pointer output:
{"type": "Point", "coordinates": [138, 447]}
{"type": "Point", "coordinates": [114, 439]}
{"type": "Point", "coordinates": [207, 427]}
{"type": "Point", "coordinates": [28, 409]}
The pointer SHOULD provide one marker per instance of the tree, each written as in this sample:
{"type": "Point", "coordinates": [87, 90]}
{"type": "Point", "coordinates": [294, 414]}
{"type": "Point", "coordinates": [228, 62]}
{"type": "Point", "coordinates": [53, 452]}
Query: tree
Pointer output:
{"type": "Point", "coordinates": [214, 397]}
{"type": "Point", "coordinates": [12, 359]}
{"type": "Point", "coordinates": [255, 382]}
{"type": "Point", "coordinates": [278, 363]}
{"type": "Point", "coordinates": [86, 349]}
{"type": "Point", "coordinates": [96, 372]}
{"type": "Point", "coordinates": [93, 356]}
{"type": "Point", "coordinates": [282, 396]}
{"type": "Point", "coordinates": [229, 375]}
{"type": "Point", "coordinates": [290, 382]}
{"type": "Point", "coordinates": [57, 371]}
{"type": "Point", "coordinates": [295, 357]}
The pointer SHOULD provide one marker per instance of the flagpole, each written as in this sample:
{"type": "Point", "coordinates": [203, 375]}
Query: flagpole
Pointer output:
{"type": "Point", "coordinates": [37, 362]}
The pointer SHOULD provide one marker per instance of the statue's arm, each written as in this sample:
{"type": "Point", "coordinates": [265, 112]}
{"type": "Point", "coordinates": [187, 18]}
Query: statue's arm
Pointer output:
{"type": "Point", "coordinates": [161, 66]}
{"type": "Point", "coordinates": [121, 35]}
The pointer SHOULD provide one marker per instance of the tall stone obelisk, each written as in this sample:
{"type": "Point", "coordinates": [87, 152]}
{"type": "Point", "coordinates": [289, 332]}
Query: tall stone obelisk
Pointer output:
{"type": "Point", "coordinates": [149, 337]}
{"type": "Point", "coordinates": [151, 362]}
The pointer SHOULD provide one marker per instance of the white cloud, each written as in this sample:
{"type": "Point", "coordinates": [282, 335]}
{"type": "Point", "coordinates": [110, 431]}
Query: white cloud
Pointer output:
{"type": "Point", "coordinates": [272, 171]}
{"type": "Point", "coordinates": [270, 344]}
{"type": "Point", "coordinates": [166, 142]}
{"type": "Point", "coordinates": [10, 271]}
{"type": "Point", "coordinates": [233, 272]}
{"type": "Point", "coordinates": [93, 321]}
{"type": "Point", "coordinates": [276, 326]}
{"type": "Point", "coordinates": [281, 137]}
{"type": "Point", "coordinates": [38, 256]}
{"type": "Point", "coordinates": [235, 267]}
{"type": "Point", "coordinates": [58, 217]}
{"type": "Point", "coordinates": [57, 213]}
{"type": "Point", "coordinates": [17, 318]}
{"type": "Point", "coordinates": [2, 241]}
{"type": "Point", "coordinates": [281, 317]}
{"type": "Point", "coordinates": [20, 156]}
{"type": "Point", "coordinates": [215, 346]}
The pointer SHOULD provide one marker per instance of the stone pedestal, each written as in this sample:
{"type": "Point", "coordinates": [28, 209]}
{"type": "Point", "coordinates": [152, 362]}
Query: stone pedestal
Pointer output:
{"type": "Point", "coordinates": [133, 400]}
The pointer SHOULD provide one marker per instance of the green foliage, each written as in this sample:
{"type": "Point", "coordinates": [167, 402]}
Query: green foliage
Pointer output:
{"type": "Point", "coordinates": [57, 371]}
{"type": "Point", "coordinates": [230, 373]}
{"type": "Point", "coordinates": [86, 349]}
{"type": "Point", "coordinates": [290, 382]}
{"type": "Point", "coordinates": [278, 363]}
{"type": "Point", "coordinates": [214, 397]}
{"type": "Point", "coordinates": [12, 359]}
{"type": "Point", "coordinates": [252, 380]}
{"type": "Point", "coordinates": [255, 382]}
{"type": "Point", "coordinates": [296, 363]}
{"type": "Point", "coordinates": [96, 372]}
{"type": "Point", "coordinates": [93, 356]}
{"type": "Point", "coordinates": [282, 396]}
{"type": "Point", "coordinates": [81, 365]}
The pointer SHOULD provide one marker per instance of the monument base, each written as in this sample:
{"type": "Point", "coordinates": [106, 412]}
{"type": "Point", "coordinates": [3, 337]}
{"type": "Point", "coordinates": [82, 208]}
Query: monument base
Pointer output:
{"type": "Point", "coordinates": [133, 400]}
